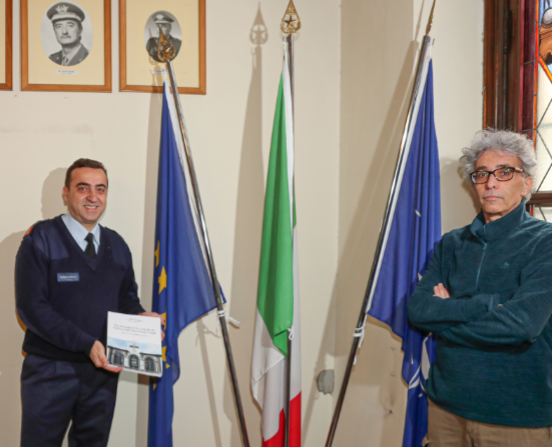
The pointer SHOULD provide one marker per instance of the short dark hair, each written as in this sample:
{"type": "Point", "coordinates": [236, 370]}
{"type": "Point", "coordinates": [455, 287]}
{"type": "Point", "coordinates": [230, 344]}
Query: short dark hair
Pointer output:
{"type": "Point", "coordinates": [83, 163]}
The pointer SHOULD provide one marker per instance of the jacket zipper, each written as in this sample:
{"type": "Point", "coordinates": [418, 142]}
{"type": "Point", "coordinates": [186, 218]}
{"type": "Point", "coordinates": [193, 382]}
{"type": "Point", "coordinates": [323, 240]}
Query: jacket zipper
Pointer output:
{"type": "Point", "coordinates": [481, 263]}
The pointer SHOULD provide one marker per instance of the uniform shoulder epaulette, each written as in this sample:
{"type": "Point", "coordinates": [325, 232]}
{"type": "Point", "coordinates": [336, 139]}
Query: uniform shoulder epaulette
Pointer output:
{"type": "Point", "coordinates": [31, 228]}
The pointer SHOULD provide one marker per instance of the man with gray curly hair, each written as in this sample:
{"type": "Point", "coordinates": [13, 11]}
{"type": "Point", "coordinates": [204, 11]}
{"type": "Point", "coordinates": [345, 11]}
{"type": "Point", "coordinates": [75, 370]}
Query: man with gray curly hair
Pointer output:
{"type": "Point", "coordinates": [487, 293]}
{"type": "Point", "coordinates": [503, 143]}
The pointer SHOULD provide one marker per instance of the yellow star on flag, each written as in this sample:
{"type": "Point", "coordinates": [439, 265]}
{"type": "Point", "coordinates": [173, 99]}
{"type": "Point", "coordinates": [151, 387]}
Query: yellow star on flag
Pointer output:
{"type": "Point", "coordinates": [162, 280]}
{"type": "Point", "coordinates": [163, 354]}
{"type": "Point", "coordinates": [156, 252]}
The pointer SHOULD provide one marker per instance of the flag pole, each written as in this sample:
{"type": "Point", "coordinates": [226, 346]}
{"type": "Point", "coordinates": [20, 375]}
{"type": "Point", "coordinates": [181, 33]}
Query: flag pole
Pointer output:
{"type": "Point", "coordinates": [290, 24]}
{"type": "Point", "coordinates": [166, 53]}
{"type": "Point", "coordinates": [289, 39]}
{"type": "Point", "coordinates": [391, 200]}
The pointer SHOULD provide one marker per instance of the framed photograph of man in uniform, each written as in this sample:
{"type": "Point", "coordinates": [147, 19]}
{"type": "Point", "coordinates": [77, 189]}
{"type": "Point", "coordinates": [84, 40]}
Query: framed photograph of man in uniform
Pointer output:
{"type": "Point", "coordinates": [6, 44]}
{"type": "Point", "coordinates": [66, 45]}
{"type": "Point", "coordinates": [183, 24]}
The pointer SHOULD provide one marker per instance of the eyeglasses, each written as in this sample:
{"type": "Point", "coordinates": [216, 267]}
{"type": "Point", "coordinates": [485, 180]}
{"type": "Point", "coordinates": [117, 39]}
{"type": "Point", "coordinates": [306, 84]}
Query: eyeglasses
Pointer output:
{"type": "Point", "coordinates": [501, 174]}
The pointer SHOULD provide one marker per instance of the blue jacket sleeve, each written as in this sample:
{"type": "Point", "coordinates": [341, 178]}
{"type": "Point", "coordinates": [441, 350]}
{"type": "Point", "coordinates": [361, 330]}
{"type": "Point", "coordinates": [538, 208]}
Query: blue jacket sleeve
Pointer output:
{"type": "Point", "coordinates": [33, 306]}
{"type": "Point", "coordinates": [434, 314]}
{"type": "Point", "coordinates": [521, 319]}
{"type": "Point", "coordinates": [129, 303]}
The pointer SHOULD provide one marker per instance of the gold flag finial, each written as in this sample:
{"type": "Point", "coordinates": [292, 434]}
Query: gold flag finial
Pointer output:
{"type": "Point", "coordinates": [291, 23]}
{"type": "Point", "coordinates": [165, 51]}
{"type": "Point", "coordinates": [430, 21]}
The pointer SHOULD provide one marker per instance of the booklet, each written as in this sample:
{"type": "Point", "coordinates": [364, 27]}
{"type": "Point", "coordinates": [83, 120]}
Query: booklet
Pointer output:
{"type": "Point", "coordinates": [134, 342]}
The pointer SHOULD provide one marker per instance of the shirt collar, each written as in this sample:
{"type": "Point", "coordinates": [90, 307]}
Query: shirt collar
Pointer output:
{"type": "Point", "coordinates": [77, 229]}
{"type": "Point", "coordinates": [497, 228]}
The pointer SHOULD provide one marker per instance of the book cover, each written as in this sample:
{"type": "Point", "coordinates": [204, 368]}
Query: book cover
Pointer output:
{"type": "Point", "coordinates": [134, 342]}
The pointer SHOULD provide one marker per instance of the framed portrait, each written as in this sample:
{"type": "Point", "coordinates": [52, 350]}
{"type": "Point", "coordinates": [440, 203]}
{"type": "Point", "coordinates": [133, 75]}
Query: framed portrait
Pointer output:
{"type": "Point", "coordinates": [66, 45]}
{"type": "Point", "coordinates": [6, 44]}
{"type": "Point", "coordinates": [183, 23]}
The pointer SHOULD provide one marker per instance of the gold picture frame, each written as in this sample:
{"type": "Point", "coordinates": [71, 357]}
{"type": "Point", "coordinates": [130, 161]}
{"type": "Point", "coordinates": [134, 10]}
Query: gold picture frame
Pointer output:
{"type": "Point", "coordinates": [138, 21]}
{"type": "Point", "coordinates": [6, 43]}
{"type": "Point", "coordinates": [45, 64]}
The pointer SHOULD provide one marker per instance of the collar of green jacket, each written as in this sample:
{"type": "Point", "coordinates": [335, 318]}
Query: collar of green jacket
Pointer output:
{"type": "Point", "coordinates": [498, 228]}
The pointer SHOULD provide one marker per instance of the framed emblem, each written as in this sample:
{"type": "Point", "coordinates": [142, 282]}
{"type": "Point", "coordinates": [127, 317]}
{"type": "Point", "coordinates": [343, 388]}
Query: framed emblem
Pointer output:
{"type": "Point", "coordinates": [183, 24]}
{"type": "Point", "coordinates": [66, 45]}
{"type": "Point", "coordinates": [6, 44]}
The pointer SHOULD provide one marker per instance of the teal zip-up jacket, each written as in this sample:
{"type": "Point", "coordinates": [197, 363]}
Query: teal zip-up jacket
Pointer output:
{"type": "Point", "coordinates": [494, 350]}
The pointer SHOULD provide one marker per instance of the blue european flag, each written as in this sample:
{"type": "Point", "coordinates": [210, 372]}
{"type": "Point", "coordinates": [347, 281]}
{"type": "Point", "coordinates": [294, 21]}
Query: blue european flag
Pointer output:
{"type": "Point", "coordinates": [182, 289]}
{"type": "Point", "coordinates": [415, 230]}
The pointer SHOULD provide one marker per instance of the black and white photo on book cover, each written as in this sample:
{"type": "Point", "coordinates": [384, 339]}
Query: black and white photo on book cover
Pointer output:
{"type": "Point", "coordinates": [134, 343]}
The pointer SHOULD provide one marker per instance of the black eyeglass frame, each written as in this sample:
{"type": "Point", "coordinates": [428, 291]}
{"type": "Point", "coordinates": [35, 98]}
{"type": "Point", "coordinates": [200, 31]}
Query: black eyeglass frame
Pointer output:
{"type": "Point", "coordinates": [516, 169]}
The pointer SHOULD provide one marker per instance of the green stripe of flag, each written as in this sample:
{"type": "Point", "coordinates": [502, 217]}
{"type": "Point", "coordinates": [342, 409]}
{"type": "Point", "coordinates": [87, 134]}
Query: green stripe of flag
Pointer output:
{"type": "Point", "coordinates": [275, 294]}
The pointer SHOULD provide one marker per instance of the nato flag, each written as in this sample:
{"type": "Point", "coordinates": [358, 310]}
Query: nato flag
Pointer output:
{"type": "Point", "coordinates": [415, 230]}
{"type": "Point", "coordinates": [182, 289]}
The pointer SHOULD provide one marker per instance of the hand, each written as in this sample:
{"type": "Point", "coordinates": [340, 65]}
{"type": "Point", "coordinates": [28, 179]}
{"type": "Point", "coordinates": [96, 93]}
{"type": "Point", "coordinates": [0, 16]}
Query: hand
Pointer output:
{"type": "Point", "coordinates": [155, 314]}
{"type": "Point", "coordinates": [440, 291]}
{"type": "Point", "coordinates": [97, 355]}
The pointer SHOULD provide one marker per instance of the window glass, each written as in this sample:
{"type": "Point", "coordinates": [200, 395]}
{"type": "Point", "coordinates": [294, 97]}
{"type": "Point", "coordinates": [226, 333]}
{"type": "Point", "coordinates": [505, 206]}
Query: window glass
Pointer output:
{"type": "Point", "coordinates": [134, 363]}
{"type": "Point", "coordinates": [118, 359]}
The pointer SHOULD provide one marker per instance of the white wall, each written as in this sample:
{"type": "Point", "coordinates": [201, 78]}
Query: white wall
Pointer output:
{"type": "Point", "coordinates": [354, 64]}
{"type": "Point", "coordinates": [380, 45]}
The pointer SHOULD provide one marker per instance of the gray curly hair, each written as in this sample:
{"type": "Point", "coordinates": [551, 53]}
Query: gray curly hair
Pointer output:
{"type": "Point", "coordinates": [510, 142]}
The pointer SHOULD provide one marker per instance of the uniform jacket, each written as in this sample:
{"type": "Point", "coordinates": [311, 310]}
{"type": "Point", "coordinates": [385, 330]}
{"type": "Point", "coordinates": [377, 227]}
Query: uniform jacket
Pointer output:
{"type": "Point", "coordinates": [79, 56]}
{"type": "Point", "coordinates": [63, 296]}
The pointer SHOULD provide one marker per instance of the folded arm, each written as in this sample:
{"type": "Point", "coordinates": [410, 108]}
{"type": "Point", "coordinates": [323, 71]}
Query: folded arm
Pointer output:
{"type": "Point", "coordinates": [429, 311]}
{"type": "Point", "coordinates": [518, 320]}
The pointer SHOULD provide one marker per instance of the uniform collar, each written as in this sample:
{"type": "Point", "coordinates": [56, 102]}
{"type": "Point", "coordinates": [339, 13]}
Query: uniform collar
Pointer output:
{"type": "Point", "coordinates": [78, 231]}
{"type": "Point", "coordinates": [500, 227]}
{"type": "Point", "coordinates": [71, 55]}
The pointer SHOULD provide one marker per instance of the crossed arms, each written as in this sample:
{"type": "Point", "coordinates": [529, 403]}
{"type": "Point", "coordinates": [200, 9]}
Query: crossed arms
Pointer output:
{"type": "Point", "coordinates": [484, 320]}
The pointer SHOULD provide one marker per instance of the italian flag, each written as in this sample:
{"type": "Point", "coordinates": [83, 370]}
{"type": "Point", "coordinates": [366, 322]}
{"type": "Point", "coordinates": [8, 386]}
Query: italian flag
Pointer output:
{"type": "Point", "coordinates": [278, 295]}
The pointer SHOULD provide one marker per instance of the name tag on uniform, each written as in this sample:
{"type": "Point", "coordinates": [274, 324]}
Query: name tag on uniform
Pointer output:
{"type": "Point", "coordinates": [67, 277]}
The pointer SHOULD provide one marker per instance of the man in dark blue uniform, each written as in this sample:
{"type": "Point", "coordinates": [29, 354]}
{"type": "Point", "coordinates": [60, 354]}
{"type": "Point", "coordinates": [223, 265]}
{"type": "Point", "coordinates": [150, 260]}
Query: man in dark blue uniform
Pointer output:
{"type": "Point", "coordinates": [69, 273]}
{"type": "Point", "coordinates": [67, 22]}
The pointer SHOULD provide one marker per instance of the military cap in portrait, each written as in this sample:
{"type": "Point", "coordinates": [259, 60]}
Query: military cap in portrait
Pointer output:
{"type": "Point", "coordinates": [65, 11]}
{"type": "Point", "coordinates": [162, 18]}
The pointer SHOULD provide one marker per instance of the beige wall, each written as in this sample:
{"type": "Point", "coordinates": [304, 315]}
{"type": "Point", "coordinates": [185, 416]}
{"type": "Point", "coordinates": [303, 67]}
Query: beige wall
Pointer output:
{"type": "Point", "coordinates": [379, 51]}
{"type": "Point", "coordinates": [354, 64]}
